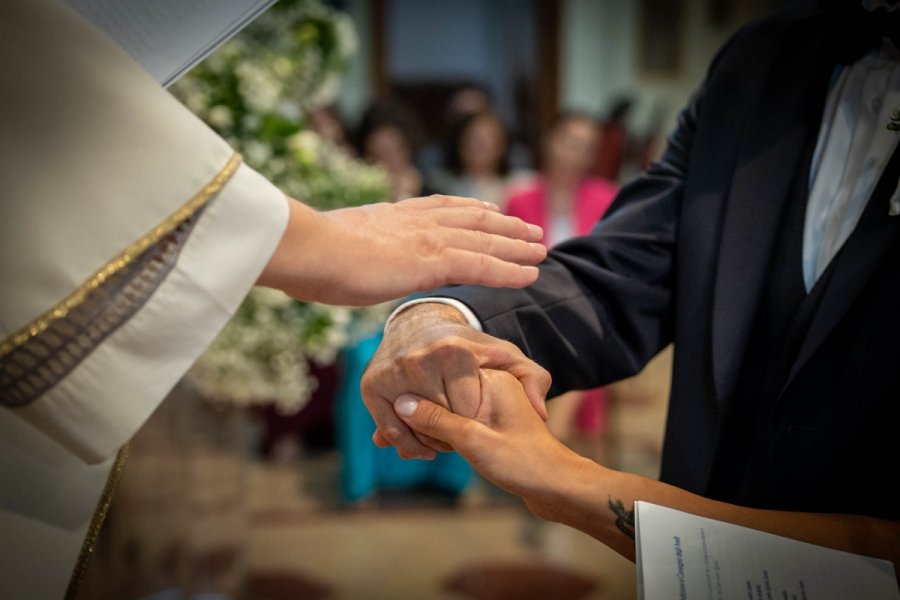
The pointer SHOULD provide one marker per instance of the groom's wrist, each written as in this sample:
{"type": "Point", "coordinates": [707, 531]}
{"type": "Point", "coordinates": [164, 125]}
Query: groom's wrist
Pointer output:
{"type": "Point", "coordinates": [448, 309]}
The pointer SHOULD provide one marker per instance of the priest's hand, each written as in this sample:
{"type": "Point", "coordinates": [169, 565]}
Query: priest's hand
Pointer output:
{"type": "Point", "coordinates": [375, 253]}
{"type": "Point", "coordinates": [431, 351]}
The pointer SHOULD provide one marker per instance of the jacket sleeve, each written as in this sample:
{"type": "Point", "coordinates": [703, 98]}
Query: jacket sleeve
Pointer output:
{"type": "Point", "coordinates": [605, 302]}
{"type": "Point", "coordinates": [602, 306]}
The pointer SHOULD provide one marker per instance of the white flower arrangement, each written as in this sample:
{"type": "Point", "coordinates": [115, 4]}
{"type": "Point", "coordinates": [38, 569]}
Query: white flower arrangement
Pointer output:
{"type": "Point", "coordinates": [258, 88]}
{"type": "Point", "coordinates": [260, 357]}
{"type": "Point", "coordinates": [256, 91]}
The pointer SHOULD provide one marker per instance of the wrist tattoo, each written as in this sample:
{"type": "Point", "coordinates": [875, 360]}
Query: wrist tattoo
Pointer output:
{"type": "Point", "coordinates": [624, 518]}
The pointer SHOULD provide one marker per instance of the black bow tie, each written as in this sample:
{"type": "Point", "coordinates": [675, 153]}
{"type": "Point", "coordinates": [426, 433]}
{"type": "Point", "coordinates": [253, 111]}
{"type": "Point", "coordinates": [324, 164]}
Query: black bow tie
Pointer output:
{"type": "Point", "coordinates": [855, 31]}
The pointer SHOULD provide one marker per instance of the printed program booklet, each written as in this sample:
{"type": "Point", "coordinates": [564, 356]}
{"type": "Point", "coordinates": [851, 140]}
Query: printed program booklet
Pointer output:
{"type": "Point", "coordinates": [169, 37]}
{"type": "Point", "coordinates": [685, 557]}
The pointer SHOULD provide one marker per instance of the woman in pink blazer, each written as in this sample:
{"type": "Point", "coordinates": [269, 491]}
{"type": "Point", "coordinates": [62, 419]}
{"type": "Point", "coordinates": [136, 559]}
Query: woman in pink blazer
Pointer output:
{"type": "Point", "coordinates": [565, 202]}
{"type": "Point", "coordinates": [590, 199]}
{"type": "Point", "coordinates": [562, 198]}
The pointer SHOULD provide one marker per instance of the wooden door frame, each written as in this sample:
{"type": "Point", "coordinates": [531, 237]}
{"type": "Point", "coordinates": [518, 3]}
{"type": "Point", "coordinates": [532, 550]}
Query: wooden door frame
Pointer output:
{"type": "Point", "coordinates": [549, 26]}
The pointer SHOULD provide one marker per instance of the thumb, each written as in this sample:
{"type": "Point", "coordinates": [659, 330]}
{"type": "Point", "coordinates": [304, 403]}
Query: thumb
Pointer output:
{"type": "Point", "coordinates": [536, 387]}
{"type": "Point", "coordinates": [429, 418]}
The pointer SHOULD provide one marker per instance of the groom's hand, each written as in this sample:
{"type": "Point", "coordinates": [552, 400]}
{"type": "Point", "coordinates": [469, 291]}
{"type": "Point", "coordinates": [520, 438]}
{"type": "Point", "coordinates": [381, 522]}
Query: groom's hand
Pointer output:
{"type": "Point", "coordinates": [431, 351]}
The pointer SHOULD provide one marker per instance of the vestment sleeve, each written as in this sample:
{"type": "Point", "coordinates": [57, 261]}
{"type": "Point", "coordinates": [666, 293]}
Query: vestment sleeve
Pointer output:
{"type": "Point", "coordinates": [129, 233]}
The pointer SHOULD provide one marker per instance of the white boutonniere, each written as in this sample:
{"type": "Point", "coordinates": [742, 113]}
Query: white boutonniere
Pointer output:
{"type": "Point", "coordinates": [894, 123]}
{"type": "Point", "coordinates": [894, 204]}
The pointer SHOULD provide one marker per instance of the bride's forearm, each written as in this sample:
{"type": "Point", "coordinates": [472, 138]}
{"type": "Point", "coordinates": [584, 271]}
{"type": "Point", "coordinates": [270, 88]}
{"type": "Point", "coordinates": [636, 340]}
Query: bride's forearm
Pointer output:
{"type": "Point", "coordinates": [600, 502]}
{"type": "Point", "coordinates": [511, 446]}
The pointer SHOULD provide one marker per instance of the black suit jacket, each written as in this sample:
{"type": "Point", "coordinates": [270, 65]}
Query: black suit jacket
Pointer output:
{"type": "Point", "coordinates": [683, 256]}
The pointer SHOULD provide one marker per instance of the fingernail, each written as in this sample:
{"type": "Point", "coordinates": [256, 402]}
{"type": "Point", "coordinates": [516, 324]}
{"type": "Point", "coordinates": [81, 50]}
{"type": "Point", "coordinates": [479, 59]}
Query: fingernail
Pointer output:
{"type": "Point", "coordinates": [536, 231]}
{"type": "Point", "coordinates": [405, 406]}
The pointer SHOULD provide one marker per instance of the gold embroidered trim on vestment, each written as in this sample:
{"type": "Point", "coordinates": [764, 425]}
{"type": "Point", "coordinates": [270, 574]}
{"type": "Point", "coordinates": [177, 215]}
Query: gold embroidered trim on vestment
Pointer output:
{"type": "Point", "coordinates": [45, 359]}
{"type": "Point", "coordinates": [93, 532]}
{"type": "Point", "coordinates": [124, 258]}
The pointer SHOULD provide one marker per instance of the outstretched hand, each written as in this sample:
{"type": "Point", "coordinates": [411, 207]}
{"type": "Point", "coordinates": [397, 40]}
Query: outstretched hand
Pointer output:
{"type": "Point", "coordinates": [371, 254]}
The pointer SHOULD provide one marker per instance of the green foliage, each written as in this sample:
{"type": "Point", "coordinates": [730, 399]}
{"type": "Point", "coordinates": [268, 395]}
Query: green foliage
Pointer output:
{"type": "Point", "coordinates": [257, 91]}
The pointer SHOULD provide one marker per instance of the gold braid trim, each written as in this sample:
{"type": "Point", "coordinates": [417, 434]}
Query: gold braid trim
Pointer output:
{"type": "Point", "coordinates": [134, 250]}
{"type": "Point", "coordinates": [93, 532]}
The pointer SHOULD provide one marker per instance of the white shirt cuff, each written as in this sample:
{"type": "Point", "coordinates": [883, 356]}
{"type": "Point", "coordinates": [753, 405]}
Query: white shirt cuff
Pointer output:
{"type": "Point", "coordinates": [462, 308]}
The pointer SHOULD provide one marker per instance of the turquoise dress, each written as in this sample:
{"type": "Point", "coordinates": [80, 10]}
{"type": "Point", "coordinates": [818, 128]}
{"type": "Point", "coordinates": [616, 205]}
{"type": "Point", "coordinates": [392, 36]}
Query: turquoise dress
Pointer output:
{"type": "Point", "coordinates": [365, 468]}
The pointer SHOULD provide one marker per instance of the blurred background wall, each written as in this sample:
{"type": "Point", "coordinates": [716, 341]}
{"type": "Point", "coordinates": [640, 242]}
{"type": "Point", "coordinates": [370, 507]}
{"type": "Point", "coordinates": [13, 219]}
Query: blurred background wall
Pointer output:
{"type": "Point", "coordinates": [537, 57]}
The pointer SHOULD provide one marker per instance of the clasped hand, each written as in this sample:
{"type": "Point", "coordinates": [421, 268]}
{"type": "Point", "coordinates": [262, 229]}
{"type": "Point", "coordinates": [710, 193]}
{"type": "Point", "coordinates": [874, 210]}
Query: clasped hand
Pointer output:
{"type": "Point", "coordinates": [431, 351]}
{"type": "Point", "coordinates": [506, 441]}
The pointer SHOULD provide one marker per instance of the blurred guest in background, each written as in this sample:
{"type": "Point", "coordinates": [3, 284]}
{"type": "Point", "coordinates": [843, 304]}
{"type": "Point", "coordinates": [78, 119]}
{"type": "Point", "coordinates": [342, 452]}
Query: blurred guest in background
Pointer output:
{"type": "Point", "coordinates": [566, 201]}
{"type": "Point", "coordinates": [614, 141]}
{"type": "Point", "coordinates": [476, 161]}
{"type": "Point", "coordinates": [389, 135]}
{"type": "Point", "coordinates": [328, 122]}
{"type": "Point", "coordinates": [465, 100]}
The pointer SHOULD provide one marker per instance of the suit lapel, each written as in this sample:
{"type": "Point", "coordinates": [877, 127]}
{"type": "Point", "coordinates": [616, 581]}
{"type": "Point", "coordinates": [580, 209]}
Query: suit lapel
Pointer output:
{"type": "Point", "coordinates": [786, 120]}
{"type": "Point", "coordinates": [854, 265]}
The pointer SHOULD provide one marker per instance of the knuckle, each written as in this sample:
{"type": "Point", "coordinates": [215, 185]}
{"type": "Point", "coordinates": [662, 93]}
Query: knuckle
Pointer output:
{"type": "Point", "coordinates": [485, 263]}
{"type": "Point", "coordinates": [479, 215]}
{"type": "Point", "coordinates": [430, 245]}
{"type": "Point", "coordinates": [412, 367]}
{"type": "Point", "coordinates": [453, 351]}
{"type": "Point", "coordinates": [376, 384]}
{"type": "Point", "coordinates": [543, 376]}
{"type": "Point", "coordinates": [368, 385]}
{"type": "Point", "coordinates": [484, 241]}
{"type": "Point", "coordinates": [446, 347]}
{"type": "Point", "coordinates": [392, 434]}
{"type": "Point", "coordinates": [521, 226]}
{"type": "Point", "coordinates": [510, 348]}
{"type": "Point", "coordinates": [524, 249]}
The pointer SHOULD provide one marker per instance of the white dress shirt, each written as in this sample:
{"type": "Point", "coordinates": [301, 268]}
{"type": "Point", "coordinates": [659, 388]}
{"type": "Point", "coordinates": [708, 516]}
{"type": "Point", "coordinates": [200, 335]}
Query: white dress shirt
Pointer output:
{"type": "Point", "coordinates": [852, 151]}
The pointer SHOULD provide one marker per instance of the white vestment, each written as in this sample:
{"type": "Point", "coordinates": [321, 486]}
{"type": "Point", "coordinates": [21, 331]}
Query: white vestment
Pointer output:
{"type": "Point", "coordinates": [99, 164]}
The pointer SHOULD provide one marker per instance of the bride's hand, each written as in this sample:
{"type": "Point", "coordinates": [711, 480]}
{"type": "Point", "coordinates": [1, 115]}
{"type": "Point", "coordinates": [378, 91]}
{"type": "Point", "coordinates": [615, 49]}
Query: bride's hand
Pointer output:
{"type": "Point", "coordinates": [507, 442]}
